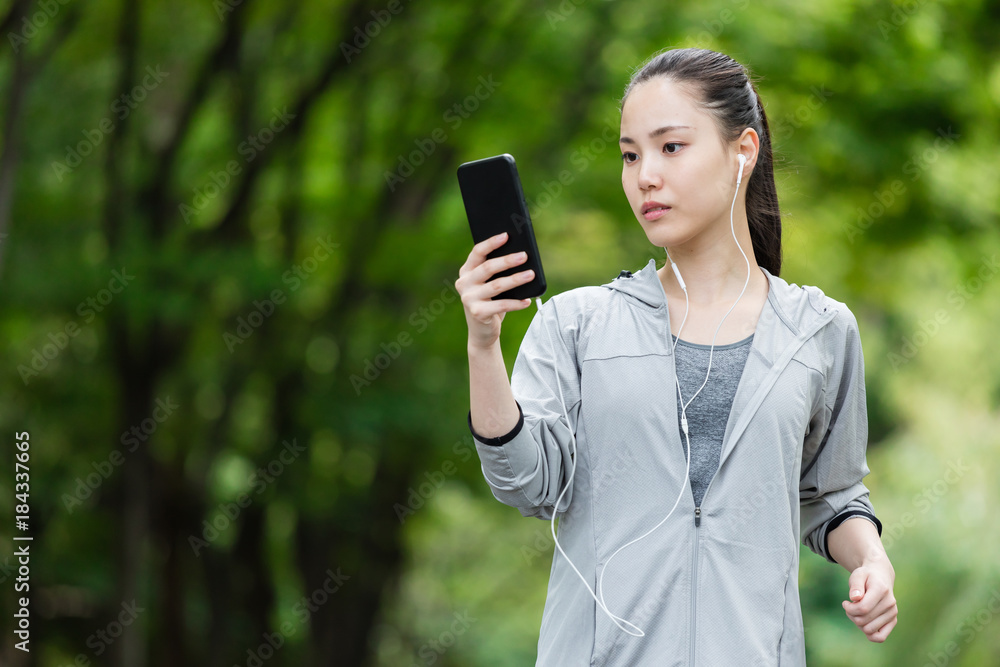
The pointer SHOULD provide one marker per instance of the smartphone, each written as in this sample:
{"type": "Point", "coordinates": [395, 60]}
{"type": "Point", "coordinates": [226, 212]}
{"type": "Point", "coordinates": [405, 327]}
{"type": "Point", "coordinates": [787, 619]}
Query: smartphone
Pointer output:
{"type": "Point", "coordinates": [494, 203]}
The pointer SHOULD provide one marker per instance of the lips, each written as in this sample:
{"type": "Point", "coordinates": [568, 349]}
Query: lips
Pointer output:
{"type": "Point", "coordinates": [652, 210]}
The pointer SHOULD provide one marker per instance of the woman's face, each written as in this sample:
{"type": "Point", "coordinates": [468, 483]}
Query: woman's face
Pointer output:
{"type": "Point", "coordinates": [675, 160]}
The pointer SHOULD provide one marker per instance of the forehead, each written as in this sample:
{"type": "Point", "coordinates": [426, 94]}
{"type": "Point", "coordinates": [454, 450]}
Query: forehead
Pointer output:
{"type": "Point", "coordinates": [661, 102]}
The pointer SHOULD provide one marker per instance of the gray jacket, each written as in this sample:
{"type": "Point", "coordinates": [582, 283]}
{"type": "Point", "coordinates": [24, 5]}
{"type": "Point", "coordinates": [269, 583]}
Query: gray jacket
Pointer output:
{"type": "Point", "coordinates": [715, 586]}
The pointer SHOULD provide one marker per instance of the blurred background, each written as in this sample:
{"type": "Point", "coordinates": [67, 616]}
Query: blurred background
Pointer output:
{"type": "Point", "coordinates": [229, 235]}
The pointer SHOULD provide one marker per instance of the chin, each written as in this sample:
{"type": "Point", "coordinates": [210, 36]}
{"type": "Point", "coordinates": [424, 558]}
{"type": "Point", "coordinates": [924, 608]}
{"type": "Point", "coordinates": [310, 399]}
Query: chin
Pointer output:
{"type": "Point", "coordinates": [661, 235]}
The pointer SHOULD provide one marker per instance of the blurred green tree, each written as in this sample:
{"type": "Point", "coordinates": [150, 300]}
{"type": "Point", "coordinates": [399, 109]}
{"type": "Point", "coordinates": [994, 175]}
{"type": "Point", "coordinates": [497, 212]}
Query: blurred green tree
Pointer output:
{"type": "Point", "coordinates": [229, 234]}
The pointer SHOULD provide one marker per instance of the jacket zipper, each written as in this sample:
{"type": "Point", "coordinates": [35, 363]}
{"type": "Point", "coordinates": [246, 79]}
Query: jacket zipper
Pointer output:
{"type": "Point", "coordinates": [697, 509]}
{"type": "Point", "coordinates": [697, 536]}
{"type": "Point", "coordinates": [694, 580]}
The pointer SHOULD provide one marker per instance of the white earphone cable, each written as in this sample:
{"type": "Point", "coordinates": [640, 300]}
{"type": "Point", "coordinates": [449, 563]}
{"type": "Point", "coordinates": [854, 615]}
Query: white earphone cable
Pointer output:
{"type": "Point", "coordinates": [732, 227]}
{"type": "Point", "coordinates": [600, 603]}
{"type": "Point", "coordinates": [618, 620]}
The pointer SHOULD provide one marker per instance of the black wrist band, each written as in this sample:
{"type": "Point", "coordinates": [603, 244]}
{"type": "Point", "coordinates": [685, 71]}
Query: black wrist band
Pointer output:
{"type": "Point", "coordinates": [840, 518]}
{"type": "Point", "coordinates": [499, 441]}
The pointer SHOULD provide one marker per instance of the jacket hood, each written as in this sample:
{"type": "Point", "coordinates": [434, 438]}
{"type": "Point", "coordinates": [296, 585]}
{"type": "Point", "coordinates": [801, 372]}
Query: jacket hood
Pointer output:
{"type": "Point", "coordinates": [799, 307]}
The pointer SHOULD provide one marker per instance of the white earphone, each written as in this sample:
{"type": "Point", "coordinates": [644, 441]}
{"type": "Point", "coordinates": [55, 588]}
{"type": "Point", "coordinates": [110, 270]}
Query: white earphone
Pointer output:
{"type": "Point", "coordinates": [739, 178]}
{"type": "Point", "coordinates": [618, 620]}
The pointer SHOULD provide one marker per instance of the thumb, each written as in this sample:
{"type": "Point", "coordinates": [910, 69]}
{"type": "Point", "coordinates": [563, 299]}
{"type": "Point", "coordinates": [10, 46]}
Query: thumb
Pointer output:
{"type": "Point", "coordinates": [856, 584]}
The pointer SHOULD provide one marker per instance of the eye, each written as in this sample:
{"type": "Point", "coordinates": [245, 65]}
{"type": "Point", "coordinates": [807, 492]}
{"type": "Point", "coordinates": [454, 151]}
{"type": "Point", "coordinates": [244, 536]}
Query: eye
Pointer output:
{"type": "Point", "coordinates": [629, 158]}
{"type": "Point", "coordinates": [676, 147]}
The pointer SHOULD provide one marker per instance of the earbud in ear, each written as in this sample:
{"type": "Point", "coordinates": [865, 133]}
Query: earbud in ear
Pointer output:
{"type": "Point", "coordinates": [743, 160]}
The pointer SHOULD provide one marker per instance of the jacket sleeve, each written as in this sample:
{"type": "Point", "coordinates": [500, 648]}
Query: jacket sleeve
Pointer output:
{"type": "Point", "coordinates": [833, 460]}
{"type": "Point", "coordinates": [529, 467]}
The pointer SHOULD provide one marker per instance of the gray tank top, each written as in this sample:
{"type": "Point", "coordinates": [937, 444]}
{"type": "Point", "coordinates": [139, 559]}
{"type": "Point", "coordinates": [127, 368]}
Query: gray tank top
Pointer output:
{"type": "Point", "coordinates": [708, 413]}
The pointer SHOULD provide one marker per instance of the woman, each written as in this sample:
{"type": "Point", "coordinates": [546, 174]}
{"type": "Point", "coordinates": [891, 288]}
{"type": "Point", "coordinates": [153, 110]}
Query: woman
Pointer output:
{"type": "Point", "coordinates": [685, 469]}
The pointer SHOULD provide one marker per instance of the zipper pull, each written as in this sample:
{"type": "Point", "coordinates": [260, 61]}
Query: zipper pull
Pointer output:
{"type": "Point", "coordinates": [697, 516]}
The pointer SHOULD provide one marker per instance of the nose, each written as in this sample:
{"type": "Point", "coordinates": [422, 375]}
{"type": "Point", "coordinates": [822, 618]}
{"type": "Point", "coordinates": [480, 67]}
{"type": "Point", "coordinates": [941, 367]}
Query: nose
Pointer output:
{"type": "Point", "coordinates": [650, 177]}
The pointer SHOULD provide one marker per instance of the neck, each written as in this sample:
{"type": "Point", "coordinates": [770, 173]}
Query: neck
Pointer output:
{"type": "Point", "coordinates": [713, 268]}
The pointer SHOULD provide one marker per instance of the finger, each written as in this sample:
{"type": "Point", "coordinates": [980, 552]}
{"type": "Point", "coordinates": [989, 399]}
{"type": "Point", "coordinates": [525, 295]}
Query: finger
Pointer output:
{"type": "Point", "coordinates": [861, 619]}
{"type": "Point", "coordinates": [486, 246]}
{"type": "Point", "coordinates": [875, 601]}
{"type": "Point", "coordinates": [491, 267]}
{"type": "Point", "coordinates": [487, 291]}
{"type": "Point", "coordinates": [499, 285]}
{"type": "Point", "coordinates": [481, 273]}
{"type": "Point", "coordinates": [855, 609]}
{"type": "Point", "coordinates": [479, 251]}
{"type": "Point", "coordinates": [882, 606]}
{"type": "Point", "coordinates": [883, 633]}
{"type": "Point", "coordinates": [484, 310]}
{"type": "Point", "coordinates": [879, 622]}
{"type": "Point", "coordinates": [857, 584]}
{"type": "Point", "coordinates": [863, 597]}
{"type": "Point", "coordinates": [475, 271]}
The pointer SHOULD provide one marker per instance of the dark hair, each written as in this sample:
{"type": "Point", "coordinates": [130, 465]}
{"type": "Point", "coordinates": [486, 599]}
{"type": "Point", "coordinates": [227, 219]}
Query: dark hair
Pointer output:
{"type": "Point", "coordinates": [729, 94]}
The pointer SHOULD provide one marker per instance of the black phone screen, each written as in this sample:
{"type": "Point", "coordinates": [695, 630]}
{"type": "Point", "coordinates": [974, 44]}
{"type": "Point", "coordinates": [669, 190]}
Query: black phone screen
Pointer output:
{"type": "Point", "coordinates": [495, 203]}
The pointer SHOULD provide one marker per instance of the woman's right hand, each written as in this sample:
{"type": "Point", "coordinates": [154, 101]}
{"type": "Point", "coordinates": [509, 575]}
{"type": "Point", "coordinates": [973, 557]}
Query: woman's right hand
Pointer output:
{"type": "Point", "coordinates": [482, 313]}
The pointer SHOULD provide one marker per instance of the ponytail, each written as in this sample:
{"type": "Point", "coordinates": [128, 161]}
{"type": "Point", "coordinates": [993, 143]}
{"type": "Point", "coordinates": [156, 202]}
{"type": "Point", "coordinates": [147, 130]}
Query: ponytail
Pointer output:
{"type": "Point", "coordinates": [763, 214]}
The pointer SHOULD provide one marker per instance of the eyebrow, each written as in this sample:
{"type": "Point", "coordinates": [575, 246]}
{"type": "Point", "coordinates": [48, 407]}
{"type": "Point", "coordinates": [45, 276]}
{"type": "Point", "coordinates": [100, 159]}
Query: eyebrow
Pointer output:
{"type": "Point", "coordinates": [657, 132]}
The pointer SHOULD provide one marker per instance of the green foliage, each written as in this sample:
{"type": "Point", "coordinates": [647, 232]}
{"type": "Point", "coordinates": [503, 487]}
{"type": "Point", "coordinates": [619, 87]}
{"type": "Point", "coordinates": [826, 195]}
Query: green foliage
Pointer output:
{"type": "Point", "coordinates": [307, 294]}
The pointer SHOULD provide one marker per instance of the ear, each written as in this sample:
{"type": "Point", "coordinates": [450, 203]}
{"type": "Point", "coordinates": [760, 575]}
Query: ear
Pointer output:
{"type": "Point", "coordinates": [748, 144]}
